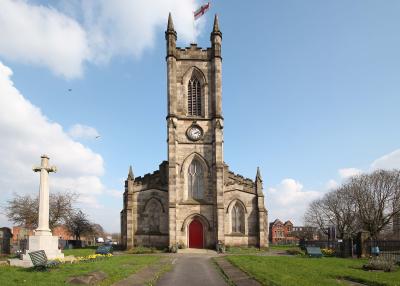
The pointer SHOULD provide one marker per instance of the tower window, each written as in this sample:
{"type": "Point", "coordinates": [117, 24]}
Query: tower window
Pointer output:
{"type": "Point", "coordinates": [237, 219]}
{"type": "Point", "coordinates": [195, 180]}
{"type": "Point", "coordinates": [194, 97]}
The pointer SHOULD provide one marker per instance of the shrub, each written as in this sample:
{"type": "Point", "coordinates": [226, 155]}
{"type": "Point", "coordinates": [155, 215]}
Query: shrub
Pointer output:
{"type": "Point", "coordinates": [141, 250]}
{"type": "Point", "coordinates": [181, 245]}
{"type": "Point", "coordinates": [328, 252]}
{"type": "Point", "coordinates": [294, 251]}
{"type": "Point", "coordinates": [380, 263]}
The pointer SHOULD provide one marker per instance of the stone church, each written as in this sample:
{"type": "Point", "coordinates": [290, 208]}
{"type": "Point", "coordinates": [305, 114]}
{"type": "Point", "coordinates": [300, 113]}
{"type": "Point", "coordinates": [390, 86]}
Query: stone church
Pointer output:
{"type": "Point", "coordinates": [193, 199]}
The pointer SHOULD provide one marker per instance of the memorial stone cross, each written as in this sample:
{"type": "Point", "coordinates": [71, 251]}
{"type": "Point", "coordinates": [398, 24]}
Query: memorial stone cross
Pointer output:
{"type": "Point", "coordinates": [44, 169]}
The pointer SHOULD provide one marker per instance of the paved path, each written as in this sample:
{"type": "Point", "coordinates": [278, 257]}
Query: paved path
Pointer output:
{"type": "Point", "coordinates": [193, 270]}
{"type": "Point", "coordinates": [146, 275]}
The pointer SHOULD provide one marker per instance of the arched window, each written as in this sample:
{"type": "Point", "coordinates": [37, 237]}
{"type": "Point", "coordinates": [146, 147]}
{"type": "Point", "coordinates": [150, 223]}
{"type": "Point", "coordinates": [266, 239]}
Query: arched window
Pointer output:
{"type": "Point", "coordinates": [194, 97]}
{"type": "Point", "coordinates": [195, 180]}
{"type": "Point", "coordinates": [237, 218]}
{"type": "Point", "coordinates": [153, 213]}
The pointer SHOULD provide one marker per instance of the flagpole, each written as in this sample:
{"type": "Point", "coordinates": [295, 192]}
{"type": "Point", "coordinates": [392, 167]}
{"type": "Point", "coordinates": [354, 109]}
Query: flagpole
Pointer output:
{"type": "Point", "coordinates": [194, 28]}
{"type": "Point", "coordinates": [197, 14]}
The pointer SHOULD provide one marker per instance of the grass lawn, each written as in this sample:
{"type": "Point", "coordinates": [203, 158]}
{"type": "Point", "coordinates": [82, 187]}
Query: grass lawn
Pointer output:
{"type": "Point", "coordinates": [117, 268]}
{"type": "Point", "coordinates": [303, 271]}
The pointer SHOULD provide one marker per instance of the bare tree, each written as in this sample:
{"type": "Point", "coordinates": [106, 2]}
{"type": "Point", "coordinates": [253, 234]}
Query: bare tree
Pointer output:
{"type": "Point", "coordinates": [369, 201]}
{"type": "Point", "coordinates": [316, 216]}
{"type": "Point", "coordinates": [334, 209]}
{"type": "Point", "coordinates": [24, 209]}
{"type": "Point", "coordinates": [306, 233]}
{"type": "Point", "coordinates": [61, 207]}
{"type": "Point", "coordinates": [98, 230]}
{"type": "Point", "coordinates": [377, 196]}
{"type": "Point", "coordinates": [78, 224]}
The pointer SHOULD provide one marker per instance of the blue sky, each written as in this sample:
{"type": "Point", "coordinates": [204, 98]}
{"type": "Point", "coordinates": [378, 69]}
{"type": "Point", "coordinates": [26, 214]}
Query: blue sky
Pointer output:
{"type": "Point", "coordinates": [310, 93]}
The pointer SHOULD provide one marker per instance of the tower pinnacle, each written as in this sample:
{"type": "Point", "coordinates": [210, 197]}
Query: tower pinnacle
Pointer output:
{"type": "Point", "coordinates": [258, 175]}
{"type": "Point", "coordinates": [216, 31]}
{"type": "Point", "coordinates": [130, 174]}
{"type": "Point", "coordinates": [216, 39]}
{"type": "Point", "coordinates": [170, 26]}
{"type": "Point", "coordinates": [170, 37]}
{"type": "Point", "coordinates": [216, 24]}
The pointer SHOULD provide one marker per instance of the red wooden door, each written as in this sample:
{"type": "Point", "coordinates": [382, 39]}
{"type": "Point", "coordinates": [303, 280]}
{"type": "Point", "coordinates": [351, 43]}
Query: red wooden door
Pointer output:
{"type": "Point", "coordinates": [195, 234]}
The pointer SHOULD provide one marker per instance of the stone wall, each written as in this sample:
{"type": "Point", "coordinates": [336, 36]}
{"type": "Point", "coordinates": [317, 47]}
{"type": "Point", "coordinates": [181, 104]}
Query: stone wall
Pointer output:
{"type": "Point", "coordinates": [241, 191]}
{"type": "Point", "coordinates": [144, 219]}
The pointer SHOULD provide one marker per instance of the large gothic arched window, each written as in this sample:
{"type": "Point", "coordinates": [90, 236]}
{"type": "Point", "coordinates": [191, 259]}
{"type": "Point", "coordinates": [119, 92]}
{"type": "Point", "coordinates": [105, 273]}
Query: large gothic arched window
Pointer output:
{"type": "Point", "coordinates": [153, 214]}
{"type": "Point", "coordinates": [195, 180]}
{"type": "Point", "coordinates": [194, 97]}
{"type": "Point", "coordinates": [237, 218]}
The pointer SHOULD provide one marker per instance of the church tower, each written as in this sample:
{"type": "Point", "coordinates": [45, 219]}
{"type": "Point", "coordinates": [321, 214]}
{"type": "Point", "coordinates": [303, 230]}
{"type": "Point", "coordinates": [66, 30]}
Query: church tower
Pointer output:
{"type": "Point", "coordinates": [193, 199]}
{"type": "Point", "coordinates": [195, 141]}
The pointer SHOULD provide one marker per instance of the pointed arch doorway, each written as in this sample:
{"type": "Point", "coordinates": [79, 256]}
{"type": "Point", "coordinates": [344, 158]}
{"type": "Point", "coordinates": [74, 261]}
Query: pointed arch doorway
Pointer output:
{"type": "Point", "coordinates": [196, 237]}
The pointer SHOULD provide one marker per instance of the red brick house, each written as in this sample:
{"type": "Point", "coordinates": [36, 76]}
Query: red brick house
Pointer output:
{"type": "Point", "coordinates": [280, 232]}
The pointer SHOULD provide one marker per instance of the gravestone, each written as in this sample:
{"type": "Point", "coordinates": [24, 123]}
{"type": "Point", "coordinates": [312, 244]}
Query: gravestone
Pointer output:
{"type": "Point", "coordinates": [5, 238]}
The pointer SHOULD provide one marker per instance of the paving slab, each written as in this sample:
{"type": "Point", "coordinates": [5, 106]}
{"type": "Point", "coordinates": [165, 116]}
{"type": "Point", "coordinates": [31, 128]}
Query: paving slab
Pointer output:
{"type": "Point", "coordinates": [234, 274]}
{"type": "Point", "coordinates": [194, 270]}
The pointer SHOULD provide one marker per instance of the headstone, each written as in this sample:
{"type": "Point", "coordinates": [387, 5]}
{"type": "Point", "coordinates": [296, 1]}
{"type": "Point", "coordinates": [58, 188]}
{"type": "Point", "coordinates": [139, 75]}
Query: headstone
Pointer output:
{"type": "Point", "coordinates": [5, 238]}
{"type": "Point", "coordinates": [43, 238]}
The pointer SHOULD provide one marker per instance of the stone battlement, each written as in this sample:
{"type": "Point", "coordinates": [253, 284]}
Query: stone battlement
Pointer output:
{"type": "Point", "coordinates": [193, 52]}
{"type": "Point", "coordinates": [232, 178]}
{"type": "Point", "coordinates": [157, 179]}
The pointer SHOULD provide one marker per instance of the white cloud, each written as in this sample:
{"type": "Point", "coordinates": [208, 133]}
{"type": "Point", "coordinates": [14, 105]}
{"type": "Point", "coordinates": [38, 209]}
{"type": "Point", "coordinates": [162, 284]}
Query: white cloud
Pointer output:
{"type": "Point", "coordinates": [346, 173]}
{"type": "Point", "coordinates": [127, 27]}
{"type": "Point", "coordinates": [289, 201]}
{"type": "Point", "coordinates": [79, 131]}
{"type": "Point", "coordinates": [26, 134]}
{"type": "Point", "coordinates": [42, 36]}
{"type": "Point", "coordinates": [331, 185]}
{"type": "Point", "coordinates": [388, 161]}
{"type": "Point", "coordinates": [87, 31]}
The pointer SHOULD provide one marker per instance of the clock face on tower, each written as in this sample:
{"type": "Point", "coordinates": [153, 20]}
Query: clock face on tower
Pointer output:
{"type": "Point", "coordinates": [194, 132]}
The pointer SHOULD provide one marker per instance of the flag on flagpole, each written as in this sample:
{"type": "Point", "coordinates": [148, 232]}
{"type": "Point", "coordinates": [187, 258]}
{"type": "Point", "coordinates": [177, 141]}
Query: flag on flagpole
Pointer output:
{"type": "Point", "coordinates": [201, 11]}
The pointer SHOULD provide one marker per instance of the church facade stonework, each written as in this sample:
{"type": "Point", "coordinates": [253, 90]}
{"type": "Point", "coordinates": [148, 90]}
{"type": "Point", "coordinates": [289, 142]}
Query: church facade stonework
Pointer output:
{"type": "Point", "coordinates": [193, 199]}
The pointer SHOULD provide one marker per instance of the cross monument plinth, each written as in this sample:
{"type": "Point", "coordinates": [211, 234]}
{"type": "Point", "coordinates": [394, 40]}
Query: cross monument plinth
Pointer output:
{"type": "Point", "coordinates": [43, 238]}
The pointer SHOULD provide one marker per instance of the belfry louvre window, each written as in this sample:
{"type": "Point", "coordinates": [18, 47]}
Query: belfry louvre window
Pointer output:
{"type": "Point", "coordinates": [194, 97]}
